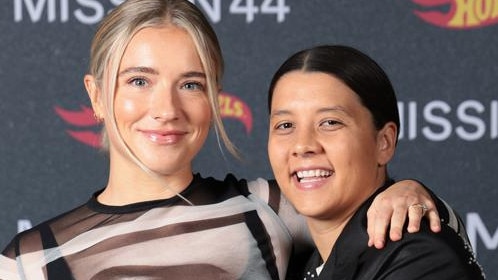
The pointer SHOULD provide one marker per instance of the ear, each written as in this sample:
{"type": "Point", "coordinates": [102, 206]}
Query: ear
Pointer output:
{"type": "Point", "coordinates": [386, 143]}
{"type": "Point", "coordinates": [95, 95]}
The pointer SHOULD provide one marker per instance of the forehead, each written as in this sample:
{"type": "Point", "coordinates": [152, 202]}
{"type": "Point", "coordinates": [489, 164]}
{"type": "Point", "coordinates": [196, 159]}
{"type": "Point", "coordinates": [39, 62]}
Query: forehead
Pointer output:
{"type": "Point", "coordinates": [160, 31]}
{"type": "Point", "coordinates": [302, 88]}
{"type": "Point", "coordinates": [165, 40]}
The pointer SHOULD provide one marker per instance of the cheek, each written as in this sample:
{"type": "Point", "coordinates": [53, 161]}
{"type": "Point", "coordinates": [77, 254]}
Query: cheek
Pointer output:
{"type": "Point", "coordinates": [277, 156]}
{"type": "Point", "coordinates": [344, 153]}
{"type": "Point", "coordinates": [271, 150]}
{"type": "Point", "coordinates": [356, 157]}
{"type": "Point", "coordinates": [125, 109]}
{"type": "Point", "coordinates": [200, 113]}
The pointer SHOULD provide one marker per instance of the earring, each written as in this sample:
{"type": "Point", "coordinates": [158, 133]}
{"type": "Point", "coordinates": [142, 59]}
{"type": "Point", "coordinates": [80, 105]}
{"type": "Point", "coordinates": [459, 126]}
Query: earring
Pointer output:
{"type": "Point", "coordinates": [98, 118]}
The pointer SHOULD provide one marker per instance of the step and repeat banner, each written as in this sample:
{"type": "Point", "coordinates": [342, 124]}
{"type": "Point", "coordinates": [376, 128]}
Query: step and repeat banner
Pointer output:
{"type": "Point", "coordinates": [442, 57]}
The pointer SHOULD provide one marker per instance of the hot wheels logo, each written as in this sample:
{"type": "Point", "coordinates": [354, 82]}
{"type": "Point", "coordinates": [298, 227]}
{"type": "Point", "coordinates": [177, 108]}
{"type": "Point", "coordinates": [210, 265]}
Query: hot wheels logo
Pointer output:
{"type": "Point", "coordinates": [234, 108]}
{"type": "Point", "coordinates": [86, 123]}
{"type": "Point", "coordinates": [87, 130]}
{"type": "Point", "coordinates": [458, 14]}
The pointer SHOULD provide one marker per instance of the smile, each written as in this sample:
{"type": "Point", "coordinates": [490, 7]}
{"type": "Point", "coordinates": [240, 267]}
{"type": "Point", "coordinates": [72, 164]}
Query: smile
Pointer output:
{"type": "Point", "coordinates": [164, 137]}
{"type": "Point", "coordinates": [312, 175]}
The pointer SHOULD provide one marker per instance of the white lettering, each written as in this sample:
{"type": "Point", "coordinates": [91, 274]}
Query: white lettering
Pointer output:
{"type": "Point", "coordinates": [89, 19]}
{"type": "Point", "coordinates": [52, 11]}
{"type": "Point", "coordinates": [401, 110]}
{"type": "Point", "coordinates": [412, 120]}
{"type": "Point", "coordinates": [35, 11]}
{"type": "Point", "coordinates": [213, 11]}
{"type": "Point", "coordinates": [64, 10]}
{"type": "Point", "coordinates": [493, 123]}
{"type": "Point", "coordinates": [249, 9]}
{"type": "Point", "coordinates": [476, 227]}
{"type": "Point", "coordinates": [437, 120]}
{"type": "Point", "coordinates": [93, 11]}
{"type": "Point", "coordinates": [117, 2]}
{"type": "Point", "coordinates": [280, 9]}
{"type": "Point", "coordinates": [469, 119]}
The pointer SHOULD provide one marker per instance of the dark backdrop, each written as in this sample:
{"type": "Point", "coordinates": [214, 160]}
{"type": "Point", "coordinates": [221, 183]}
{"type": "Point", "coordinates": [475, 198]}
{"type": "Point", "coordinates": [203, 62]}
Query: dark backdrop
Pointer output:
{"type": "Point", "coordinates": [442, 60]}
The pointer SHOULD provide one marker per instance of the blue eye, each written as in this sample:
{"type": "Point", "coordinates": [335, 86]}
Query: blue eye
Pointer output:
{"type": "Point", "coordinates": [193, 86]}
{"type": "Point", "coordinates": [138, 82]}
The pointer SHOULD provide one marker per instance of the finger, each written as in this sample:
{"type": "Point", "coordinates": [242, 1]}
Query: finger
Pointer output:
{"type": "Point", "coordinates": [415, 215]}
{"type": "Point", "coordinates": [382, 220]}
{"type": "Point", "coordinates": [434, 220]}
{"type": "Point", "coordinates": [370, 226]}
{"type": "Point", "coordinates": [433, 216]}
{"type": "Point", "coordinates": [378, 219]}
{"type": "Point", "coordinates": [398, 220]}
{"type": "Point", "coordinates": [375, 229]}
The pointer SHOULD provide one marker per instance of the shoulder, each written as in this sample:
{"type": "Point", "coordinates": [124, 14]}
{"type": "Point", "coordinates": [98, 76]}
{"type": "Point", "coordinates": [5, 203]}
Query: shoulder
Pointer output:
{"type": "Point", "coordinates": [269, 192]}
{"type": "Point", "coordinates": [445, 255]}
{"type": "Point", "coordinates": [42, 235]}
{"type": "Point", "coordinates": [262, 188]}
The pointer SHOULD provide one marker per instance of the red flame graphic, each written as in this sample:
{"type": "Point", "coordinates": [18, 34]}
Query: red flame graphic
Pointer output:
{"type": "Point", "coordinates": [83, 118]}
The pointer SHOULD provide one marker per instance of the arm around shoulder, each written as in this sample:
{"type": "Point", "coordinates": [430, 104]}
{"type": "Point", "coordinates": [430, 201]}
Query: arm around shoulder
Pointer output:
{"type": "Point", "coordinates": [428, 255]}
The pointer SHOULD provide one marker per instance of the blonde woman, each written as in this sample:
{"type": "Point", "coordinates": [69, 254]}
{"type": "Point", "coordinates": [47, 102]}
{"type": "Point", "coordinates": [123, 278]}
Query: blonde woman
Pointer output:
{"type": "Point", "coordinates": [154, 76]}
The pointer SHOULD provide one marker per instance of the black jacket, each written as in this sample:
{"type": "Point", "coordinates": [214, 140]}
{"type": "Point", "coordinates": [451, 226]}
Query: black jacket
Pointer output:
{"type": "Point", "coordinates": [422, 255]}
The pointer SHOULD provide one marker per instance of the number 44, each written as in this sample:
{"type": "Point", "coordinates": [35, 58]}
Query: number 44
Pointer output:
{"type": "Point", "coordinates": [276, 7]}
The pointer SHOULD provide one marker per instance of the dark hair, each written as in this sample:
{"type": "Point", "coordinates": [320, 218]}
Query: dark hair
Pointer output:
{"type": "Point", "coordinates": [355, 69]}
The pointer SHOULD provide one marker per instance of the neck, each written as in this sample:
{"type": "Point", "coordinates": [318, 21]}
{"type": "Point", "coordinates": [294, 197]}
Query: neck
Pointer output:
{"type": "Point", "coordinates": [129, 184]}
{"type": "Point", "coordinates": [325, 234]}
{"type": "Point", "coordinates": [326, 231]}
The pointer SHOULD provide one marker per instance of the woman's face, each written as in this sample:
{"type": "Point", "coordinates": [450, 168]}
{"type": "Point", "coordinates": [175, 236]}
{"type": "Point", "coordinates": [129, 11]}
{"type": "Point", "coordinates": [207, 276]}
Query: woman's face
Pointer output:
{"type": "Point", "coordinates": [323, 146]}
{"type": "Point", "coordinates": [161, 104]}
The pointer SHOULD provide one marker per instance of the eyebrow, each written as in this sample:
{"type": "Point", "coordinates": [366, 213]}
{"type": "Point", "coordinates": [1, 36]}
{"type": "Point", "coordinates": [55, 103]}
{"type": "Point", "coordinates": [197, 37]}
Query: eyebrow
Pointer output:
{"type": "Point", "coordinates": [138, 69]}
{"type": "Point", "coordinates": [150, 70]}
{"type": "Point", "coordinates": [342, 109]}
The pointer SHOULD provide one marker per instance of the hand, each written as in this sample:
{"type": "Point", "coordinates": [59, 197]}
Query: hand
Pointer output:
{"type": "Point", "coordinates": [392, 206]}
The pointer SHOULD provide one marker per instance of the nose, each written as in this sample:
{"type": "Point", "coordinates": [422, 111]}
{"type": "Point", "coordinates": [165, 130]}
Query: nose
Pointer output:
{"type": "Point", "coordinates": [306, 144]}
{"type": "Point", "coordinates": [164, 104]}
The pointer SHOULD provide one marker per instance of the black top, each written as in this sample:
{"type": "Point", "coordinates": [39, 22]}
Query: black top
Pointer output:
{"type": "Point", "coordinates": [235, 230]}
{"type": "Point", "coordinates": [422, 255]}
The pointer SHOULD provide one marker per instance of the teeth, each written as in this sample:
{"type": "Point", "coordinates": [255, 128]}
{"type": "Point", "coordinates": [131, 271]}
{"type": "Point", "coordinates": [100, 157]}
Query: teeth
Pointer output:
{"type": "Point", "coordinates": [313, 173]}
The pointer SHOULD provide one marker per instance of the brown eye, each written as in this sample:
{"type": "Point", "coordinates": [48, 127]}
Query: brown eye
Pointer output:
{"type": "Point", "coordinates": [285, 125]}
{"type": "Point", "coordinates": [330, 123]}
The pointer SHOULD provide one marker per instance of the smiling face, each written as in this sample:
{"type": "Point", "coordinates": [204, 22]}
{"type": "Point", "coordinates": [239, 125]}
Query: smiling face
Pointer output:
{"type": "Point", "coordinates": [323, 147]}
{"type": "Point", "coordinates": [161, 105]}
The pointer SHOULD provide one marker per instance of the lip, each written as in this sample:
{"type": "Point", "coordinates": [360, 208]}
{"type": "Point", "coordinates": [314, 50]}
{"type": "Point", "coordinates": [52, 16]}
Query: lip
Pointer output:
{"type": "Point", "coordinates": [312, 181]}
{"type": "Point", "coordinates": [164, 137]}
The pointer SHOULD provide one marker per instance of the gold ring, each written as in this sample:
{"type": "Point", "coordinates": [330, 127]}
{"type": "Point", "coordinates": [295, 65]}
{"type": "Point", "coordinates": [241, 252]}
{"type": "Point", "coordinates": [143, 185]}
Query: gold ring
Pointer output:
{"type": "Point", "coordinates": [421, 206]}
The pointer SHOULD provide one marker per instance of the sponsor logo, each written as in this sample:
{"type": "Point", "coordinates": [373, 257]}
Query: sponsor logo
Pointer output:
{"type": "Point", "coordinates": [458, 14]}
{"type": "Point", "coordinates": [86, 129]}
{"type": "Point", "coordinates": [92, 11]}
{"type": "Point", "coordinates": [439, 120]}
{"type": "Point", "coordinates": [232, 107]}
{"type": "Point", "coordinates": [84, 121]}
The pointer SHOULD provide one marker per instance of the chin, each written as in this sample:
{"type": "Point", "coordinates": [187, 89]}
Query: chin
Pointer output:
{"type": "Point", "coordinates": [308, 209]}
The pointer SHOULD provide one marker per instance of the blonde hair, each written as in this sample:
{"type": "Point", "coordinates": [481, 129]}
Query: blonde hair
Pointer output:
{"type": "Point", "coordinates": [118, 28]}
